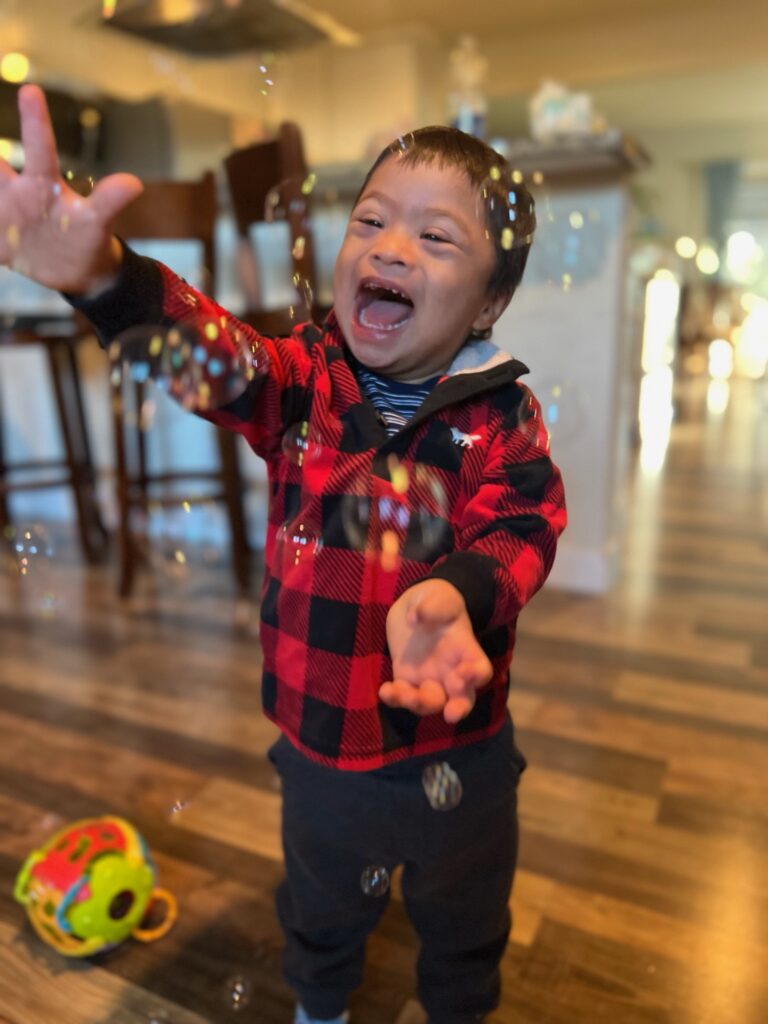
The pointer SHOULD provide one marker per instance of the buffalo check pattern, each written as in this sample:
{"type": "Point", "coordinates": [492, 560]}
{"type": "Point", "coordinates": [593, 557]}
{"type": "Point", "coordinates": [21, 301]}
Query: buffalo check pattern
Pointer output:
{"type": "Point", "coordinates": [360, 516]}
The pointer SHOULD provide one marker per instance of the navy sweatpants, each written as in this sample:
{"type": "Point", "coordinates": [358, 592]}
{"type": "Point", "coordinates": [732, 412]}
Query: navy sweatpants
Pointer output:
{"type": "Point", "coordinates": [458, 867]}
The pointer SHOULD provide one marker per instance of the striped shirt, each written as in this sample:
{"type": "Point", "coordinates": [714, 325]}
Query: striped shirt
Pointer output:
{"type": "Point", "coordinates": [395, 400]}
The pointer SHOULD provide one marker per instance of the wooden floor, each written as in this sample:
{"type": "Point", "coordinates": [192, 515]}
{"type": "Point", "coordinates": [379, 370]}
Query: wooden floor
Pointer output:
{"type": "Point", "coordinates": [642, 893]}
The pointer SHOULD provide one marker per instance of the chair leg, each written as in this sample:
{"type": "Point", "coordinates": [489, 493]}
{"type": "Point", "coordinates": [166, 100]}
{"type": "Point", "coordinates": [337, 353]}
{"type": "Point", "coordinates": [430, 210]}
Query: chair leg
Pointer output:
{"type": "Point", "coordinates": [233, 496]}
{"type": "Point", "coordinates": [125, 544]}
{"type": "Point", "coordinates": [65, 377]}
{"type": "Point", "coordinates": [5, 516]}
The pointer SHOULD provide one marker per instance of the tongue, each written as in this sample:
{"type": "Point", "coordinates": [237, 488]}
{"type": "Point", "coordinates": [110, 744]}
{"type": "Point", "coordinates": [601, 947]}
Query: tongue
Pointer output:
{"type": "Point", "coordinates": [385, 313]}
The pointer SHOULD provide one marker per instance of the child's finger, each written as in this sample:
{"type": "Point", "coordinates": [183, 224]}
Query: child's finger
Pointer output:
{"type": "Point", "coordinates": [425, 698]}
{"type": "Point", "coordinates": [457, 708]}
{"type": "Point", "coordinates": [40, 156]}
{"type": "Point", "coordinates": [478, 671]}
{"type": "Point", "coordinates": [112, 194]}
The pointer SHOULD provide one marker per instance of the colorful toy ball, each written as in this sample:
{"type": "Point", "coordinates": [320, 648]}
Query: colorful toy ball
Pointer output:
{"type": "Point", "coordinates": [91, 886]}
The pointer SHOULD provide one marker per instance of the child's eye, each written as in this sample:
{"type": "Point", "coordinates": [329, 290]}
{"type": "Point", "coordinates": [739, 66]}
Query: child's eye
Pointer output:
{"type": "Point", "coordinates": [373, 222]}
{"type": "Point", "coordinates": [430, 236]}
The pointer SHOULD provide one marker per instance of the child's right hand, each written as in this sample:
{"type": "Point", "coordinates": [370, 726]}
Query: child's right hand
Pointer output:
{"type": "Point", "coordinates": [47, 231]}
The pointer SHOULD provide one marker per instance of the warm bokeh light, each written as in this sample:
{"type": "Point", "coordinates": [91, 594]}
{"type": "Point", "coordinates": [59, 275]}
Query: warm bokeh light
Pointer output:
{"type": "Point", "coordinates": [707, 260]}
{"type": "Point", "coordinates": [11, 151]}
{"type": "Point", "coordinates": [751, 341]}
{"type": "Point", "coordinates": [718, 393]}
{"type": "Point", "coordinates": [720, 359]}
{"type": "Point", "coordinates": [655, 418]}
{"type": "Point", "coordinates": [685, 247]}
{"type": "Point", "coordinates": [743, 256]}
{"type": "Point", "coordinates": [14, 67]}
{"type": "Point", "coordinates": [662, 302]}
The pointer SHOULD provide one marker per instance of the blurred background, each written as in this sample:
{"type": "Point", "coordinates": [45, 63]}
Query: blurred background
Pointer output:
{"type": "Point", "coordinates": [134, 531]}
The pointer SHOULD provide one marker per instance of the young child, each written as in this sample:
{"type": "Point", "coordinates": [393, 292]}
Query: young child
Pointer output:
{"type": "Point", "coordinates": [389, 655]}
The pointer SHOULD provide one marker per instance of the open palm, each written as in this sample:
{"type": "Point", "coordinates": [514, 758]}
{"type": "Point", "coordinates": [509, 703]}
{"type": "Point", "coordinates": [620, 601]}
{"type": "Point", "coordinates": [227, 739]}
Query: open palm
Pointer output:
{"type": "Point", "coordinates": [47, 231]}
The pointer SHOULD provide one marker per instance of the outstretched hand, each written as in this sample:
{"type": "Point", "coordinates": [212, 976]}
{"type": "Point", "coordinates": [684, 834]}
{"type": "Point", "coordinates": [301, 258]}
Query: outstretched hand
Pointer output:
{"type": "Point", "coordinates": [48, 232]}
{"type": "Point", "coordinates": [437, 663]}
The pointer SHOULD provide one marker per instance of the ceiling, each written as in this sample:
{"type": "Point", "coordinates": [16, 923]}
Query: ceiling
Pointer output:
{"type": "Point", "coordinates": [684, 67]}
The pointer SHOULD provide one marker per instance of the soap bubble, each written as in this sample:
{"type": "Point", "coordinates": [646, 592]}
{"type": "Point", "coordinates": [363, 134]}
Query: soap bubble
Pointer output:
{"type": "Point", "coordinates": [301, 443]}
{"type": "Point", "coordinates": [289, 202]}
{"type": "Point", "coordinates": [29, 548]}
{"type": "Point", "coordinates": [182, 536]}
{"type": "Point", "coordinates": [28, 554]}
{"type": "Point", "coordinates": [506, 209]}
{"type": "Point", "coordinates": [572, 246]}
{"type": "Point", "coordinates": [374, 881]}
{"type": "Point", "coordinates": [563, 410]}
{"type": "Point", "coordinates": [238, 992]}
{"type": "Point", "coordinates": [201, 364]}
{"type": "Point", "coordinates": [296, 544]}
{"type": "Point", "coordinates": [442, 786]}
{"type": "Point", "coordinates": [402, 515]}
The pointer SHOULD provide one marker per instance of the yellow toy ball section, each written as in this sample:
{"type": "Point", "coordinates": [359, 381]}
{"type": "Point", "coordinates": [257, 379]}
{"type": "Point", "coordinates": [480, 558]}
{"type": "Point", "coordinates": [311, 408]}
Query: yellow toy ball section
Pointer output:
{"type": "Point", "coordinates": [91, 886]}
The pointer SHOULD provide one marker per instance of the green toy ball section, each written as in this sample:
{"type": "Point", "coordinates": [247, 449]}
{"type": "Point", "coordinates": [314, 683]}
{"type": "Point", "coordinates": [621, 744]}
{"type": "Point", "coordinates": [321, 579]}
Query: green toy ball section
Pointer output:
{"type": "Point", "coordinates": [91, 887]}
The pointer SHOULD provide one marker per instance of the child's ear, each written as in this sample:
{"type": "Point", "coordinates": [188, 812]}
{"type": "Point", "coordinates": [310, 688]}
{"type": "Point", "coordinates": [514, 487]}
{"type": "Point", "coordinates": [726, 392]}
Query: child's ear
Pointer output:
{"type": "Point", "coordinates": [492, 309]}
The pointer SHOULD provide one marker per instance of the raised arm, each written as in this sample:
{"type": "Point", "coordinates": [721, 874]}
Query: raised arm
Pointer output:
{"type": "Point", "coordinates": [48, 232]}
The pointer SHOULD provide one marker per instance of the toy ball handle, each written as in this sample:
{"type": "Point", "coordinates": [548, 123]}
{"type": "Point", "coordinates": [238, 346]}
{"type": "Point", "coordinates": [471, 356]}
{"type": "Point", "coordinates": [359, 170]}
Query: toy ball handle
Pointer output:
{"type": "Point", "coordinates": [171, 912]}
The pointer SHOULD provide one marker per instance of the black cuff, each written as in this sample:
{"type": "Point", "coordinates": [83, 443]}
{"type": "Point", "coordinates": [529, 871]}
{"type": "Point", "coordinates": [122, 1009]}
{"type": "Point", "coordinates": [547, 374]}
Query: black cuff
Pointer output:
{"type": "Point", "coordinates": [473, 577]}
{"type": "Point", "coordinates": [135, 298]}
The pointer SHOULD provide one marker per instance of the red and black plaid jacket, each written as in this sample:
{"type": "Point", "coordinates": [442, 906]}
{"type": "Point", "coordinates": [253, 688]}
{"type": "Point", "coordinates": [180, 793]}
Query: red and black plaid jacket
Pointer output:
{"type": "Point", "coordinates": [465, 492]}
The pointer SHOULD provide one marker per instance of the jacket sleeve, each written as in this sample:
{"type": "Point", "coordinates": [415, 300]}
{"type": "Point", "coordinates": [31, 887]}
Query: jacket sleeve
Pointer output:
{"type": "Point", "coordinates": [148, 296]}
{"type": "Point", "coordinates": [508, 530]}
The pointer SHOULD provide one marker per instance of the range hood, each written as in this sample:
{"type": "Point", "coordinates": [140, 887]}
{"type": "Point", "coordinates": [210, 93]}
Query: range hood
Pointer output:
{"type": "Point", "coordinates": [217, 28]}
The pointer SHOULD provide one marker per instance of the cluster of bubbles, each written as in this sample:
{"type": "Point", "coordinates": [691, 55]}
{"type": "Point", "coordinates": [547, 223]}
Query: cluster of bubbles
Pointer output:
{"type": "Point", "coordinates": [202, 365]}
{"type": "Point", "coordinates": [443, 789]}
{"type": "Point", "coordinates": [289, 202]}
{"type": "Point", "coordinates": [402, 514]}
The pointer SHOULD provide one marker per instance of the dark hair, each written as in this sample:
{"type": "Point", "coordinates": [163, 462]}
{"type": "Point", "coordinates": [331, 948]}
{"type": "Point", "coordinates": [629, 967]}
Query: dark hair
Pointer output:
{"type": "Point", "coordinates": [509, 206]}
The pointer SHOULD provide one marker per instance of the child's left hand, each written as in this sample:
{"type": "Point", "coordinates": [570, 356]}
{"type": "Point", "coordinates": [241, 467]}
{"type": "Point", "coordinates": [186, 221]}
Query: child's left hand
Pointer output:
{"type": "Point", "coordinates": [437, 662]}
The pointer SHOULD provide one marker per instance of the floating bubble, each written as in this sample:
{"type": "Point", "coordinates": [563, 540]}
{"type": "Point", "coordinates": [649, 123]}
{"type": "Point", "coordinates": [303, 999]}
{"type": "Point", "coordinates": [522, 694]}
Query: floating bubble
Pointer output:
{"type": "Point", "coordinates": [506, 208]}
{"type": "Point", "coordinates": [238, 992]}
{"type": "Point", "coordinates": [304, 296]}
{"type": "Point", "coordinates": [297, 543]}
{"type": "Point", "coordinates": [29, 552]}
{"type": "Point", "coordinates": [442, 786]}
{"type": "Point", "coordinates": [30, 549]}
{"type": "Point", "coordinates": [563, 410]}
{"type": "Point", "coordinates": [202, 364]}
{"type": "Point", "coordinates": [301, 443]}
{"type": "Point", "coordinates": [572, 245]}
{"type": "Point", "coordinates": [374, 881]}
{"type": "Point", "coordinates": [182, 537]}
{"type": "Point", "coordinates": [178, 806]}
{"type": "Point", "coordinates": [402, 515]}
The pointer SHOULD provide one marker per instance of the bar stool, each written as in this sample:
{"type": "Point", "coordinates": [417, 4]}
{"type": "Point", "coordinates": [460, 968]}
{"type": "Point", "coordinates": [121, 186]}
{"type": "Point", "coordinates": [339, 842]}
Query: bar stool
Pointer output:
{"type": "Point", "coordinates": [174, 210]}
{"type": "Point", "coordinates": [273, 174]}
{"type": "Point", "coordinates": [60, 337]}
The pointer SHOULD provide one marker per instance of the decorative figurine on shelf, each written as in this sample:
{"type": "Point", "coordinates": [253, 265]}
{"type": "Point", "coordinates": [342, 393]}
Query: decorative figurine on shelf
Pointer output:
{"type": "Point", "coordinates": [468, 105]}
{"type": "Point", "coordinates": [91, 886]}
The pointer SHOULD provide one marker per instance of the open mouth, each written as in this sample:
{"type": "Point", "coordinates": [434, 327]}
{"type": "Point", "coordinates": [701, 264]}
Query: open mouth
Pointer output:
{"type": "Point", "coordinates": [382, 307]}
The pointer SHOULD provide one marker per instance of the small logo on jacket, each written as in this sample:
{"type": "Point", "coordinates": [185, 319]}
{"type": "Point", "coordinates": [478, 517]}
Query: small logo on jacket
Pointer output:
{"type": "Point", "coordinates": [464, 440]}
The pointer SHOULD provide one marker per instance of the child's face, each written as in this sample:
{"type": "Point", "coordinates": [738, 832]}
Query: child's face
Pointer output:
{"type": "Point", "coordinates": [411, 277]}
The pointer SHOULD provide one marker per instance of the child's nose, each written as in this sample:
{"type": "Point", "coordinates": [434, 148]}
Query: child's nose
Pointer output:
{"type": "Point", "coordinates": [392, 248]}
